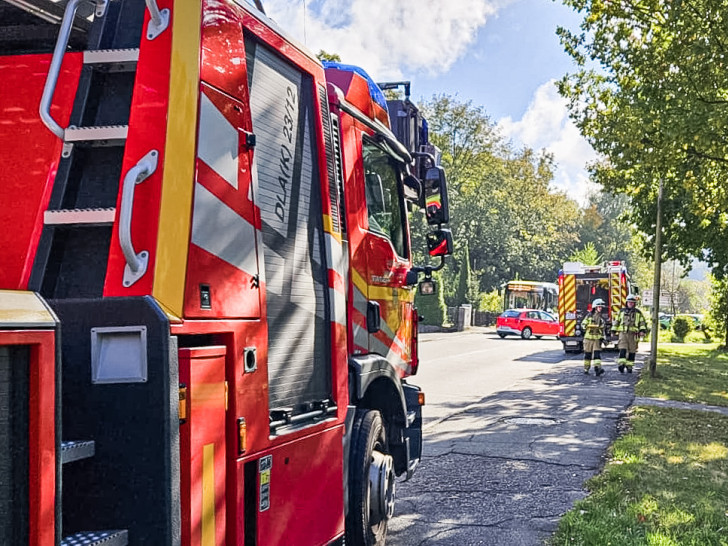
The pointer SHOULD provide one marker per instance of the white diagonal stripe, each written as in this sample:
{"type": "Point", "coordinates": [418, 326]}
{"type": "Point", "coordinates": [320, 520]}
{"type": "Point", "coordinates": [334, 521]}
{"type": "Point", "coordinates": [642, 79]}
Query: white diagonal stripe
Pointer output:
{"type": "Point", "coordinates": [218, 142]}
{"type": "Point", "coordinates": [338, 306]}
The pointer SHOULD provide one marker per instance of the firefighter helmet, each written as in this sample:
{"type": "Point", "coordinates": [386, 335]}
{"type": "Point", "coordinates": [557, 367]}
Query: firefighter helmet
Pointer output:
{"type": "Point", "coordinates": [598, 302]}
{"type": "Point", "coordinates": [632, 297]}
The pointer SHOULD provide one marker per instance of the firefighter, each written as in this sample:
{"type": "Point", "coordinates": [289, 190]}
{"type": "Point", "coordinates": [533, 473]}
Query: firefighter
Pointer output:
{"type": "Point", "coordinates": [594, 326]}
{"type": "Point", "coordinates": [631, 326]}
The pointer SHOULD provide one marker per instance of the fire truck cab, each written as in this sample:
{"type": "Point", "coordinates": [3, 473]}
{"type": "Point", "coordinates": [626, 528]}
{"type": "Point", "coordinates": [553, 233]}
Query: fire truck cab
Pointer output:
{"type": "Point", "coordinates": [207, 312]}
{"type": "Point", "coordinates": [579, 286]}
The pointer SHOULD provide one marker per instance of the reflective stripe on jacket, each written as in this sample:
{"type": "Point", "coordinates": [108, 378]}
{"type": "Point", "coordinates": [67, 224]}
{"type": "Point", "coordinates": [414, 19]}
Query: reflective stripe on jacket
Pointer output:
{"type": "Point", "coordinates": [593, 325]}
{"type": "Point", "coordinates": [630, 320]}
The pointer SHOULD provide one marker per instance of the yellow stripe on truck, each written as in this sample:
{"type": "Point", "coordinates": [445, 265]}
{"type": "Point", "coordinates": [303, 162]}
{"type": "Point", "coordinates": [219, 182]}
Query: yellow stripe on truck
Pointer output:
{"type": "Point", "coordinates": [207, 523]}
{"type": "Point", "coordinates": [569, 304]}
{"type": "Point", "coordinates": [179, 157]}
{"type": "Point", "coordinates": [615, 293]}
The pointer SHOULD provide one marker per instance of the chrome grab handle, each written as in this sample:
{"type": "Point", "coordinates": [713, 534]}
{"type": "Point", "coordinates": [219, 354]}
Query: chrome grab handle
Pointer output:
{"type": "Point", "coordinates": [57, 60]}
{"type": "Point", "coordinates": [55, 69]}
{"type": "Point", "coordinates": [136, 264]}
{"type": "Point", "coordinates": [159, 19]}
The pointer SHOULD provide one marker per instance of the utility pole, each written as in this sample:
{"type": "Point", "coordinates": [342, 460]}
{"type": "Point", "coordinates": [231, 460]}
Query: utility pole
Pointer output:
{"type": "Point", "coordinates": [656, 290]}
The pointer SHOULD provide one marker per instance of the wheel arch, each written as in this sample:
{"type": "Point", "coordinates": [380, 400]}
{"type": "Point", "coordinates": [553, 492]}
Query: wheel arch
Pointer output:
{"type": "Point", "coordinates": [374, 384]}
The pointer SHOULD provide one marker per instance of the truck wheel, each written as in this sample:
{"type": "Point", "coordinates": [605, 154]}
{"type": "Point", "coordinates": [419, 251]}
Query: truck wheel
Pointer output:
{"type": "Point", "coordinates": [501, 336]}
{"type": "Point", "coordinates": [526, 333]}
{"type": "Point", "coordinates": [371, 482]}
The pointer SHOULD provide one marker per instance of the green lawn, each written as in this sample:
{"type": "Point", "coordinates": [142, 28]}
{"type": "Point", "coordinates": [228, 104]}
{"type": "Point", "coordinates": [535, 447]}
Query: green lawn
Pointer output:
{"type": "Point", "coordinates": [689, 373]}
{"type": "Point", "coordinates": [666, 480]}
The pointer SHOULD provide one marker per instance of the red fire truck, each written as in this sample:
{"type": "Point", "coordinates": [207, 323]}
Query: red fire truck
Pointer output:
{"type": "Point", "coordinates": [206, 289]}
{"type": "Point", "coordinates": [579, 286]}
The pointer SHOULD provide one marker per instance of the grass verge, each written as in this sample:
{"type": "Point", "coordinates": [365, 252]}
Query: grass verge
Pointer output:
{"type": "Point", "coordinates": [666, 480]}
{"type": "Point", "coordinates": [665, 485]}
{"type": "Point", "coordinates": [688, 373]}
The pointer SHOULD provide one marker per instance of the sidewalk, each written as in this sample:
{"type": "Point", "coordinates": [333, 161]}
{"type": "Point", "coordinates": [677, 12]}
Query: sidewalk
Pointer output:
{"type": "Point", "coordinates": [642, 401]}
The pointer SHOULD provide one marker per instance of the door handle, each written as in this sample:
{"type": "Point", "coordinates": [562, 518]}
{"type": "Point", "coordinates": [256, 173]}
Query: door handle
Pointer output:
{"type": "Point", "coordinates": [374, 317]}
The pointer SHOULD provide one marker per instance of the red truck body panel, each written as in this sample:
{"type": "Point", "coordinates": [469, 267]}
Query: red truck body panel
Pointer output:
{"type": "Point", "coordinates": [259, 150]}
{"type": "Point", "coordinates": [30, 154]}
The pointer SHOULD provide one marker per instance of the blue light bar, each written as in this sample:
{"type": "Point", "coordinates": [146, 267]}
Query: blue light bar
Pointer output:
{"type": "Point", "coordinates": [374, 91]}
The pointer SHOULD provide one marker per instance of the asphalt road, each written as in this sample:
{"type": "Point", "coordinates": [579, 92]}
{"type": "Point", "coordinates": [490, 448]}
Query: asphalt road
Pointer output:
{"type": "Point", "coordinates": [512, 431]}
{"type": "Point", "coordinates": [457, 369]}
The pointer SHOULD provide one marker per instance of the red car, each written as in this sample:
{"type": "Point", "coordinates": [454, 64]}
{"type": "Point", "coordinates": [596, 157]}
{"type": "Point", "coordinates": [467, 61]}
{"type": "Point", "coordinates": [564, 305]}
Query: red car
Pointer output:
{"type": "Point", "coordinates": [527, 323]}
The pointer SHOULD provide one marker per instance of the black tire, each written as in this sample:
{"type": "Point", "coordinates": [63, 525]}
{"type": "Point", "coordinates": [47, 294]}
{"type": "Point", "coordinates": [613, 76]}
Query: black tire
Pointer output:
{"type": "Point", "coordinates": [526, 333]}
{"type": "Point", "coordinates": [368, 440]}
{"type": "Point", "coordinates": [501, 335]}
{"type": "Point", "coordinates": [539, 337]}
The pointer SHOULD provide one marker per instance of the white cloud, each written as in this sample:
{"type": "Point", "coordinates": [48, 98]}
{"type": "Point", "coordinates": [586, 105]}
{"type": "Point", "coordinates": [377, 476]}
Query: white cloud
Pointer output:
{"type": "Point", "coordinates": [546, 125]}
{"type": "Point", "coordinates": [393, 39]}
{"type": "Point", "coordinates": [388, 39]}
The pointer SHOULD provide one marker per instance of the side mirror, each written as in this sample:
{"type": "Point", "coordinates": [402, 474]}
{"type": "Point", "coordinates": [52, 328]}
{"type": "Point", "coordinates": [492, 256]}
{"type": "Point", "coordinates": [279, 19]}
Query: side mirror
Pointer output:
{"type": "Point", "coordinates": [439, 243]}
{"type": "Point", "coordinates": [437, 210]}
{"type": "Point", "coordinates": [635, 289]}
{"type": "Point", "coordinates": [428, 287]}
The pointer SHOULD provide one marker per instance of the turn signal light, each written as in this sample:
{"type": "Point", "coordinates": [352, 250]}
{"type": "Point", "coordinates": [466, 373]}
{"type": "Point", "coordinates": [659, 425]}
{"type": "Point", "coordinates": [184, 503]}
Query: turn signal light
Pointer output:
{"type": "Point", "coordinates": [421, 398]}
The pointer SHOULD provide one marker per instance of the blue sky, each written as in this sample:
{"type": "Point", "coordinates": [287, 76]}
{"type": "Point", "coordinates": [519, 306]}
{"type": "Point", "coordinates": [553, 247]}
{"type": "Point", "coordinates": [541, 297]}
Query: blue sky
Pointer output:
{"type": "Point", "coordinates": [515, 52]}
{"type": "Point", "coordinates": [503, 55]}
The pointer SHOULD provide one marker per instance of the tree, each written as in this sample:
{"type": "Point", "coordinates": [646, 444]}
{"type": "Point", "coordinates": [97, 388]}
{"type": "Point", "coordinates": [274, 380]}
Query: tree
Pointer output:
{"type": "Point", "coordinates": [718, 315]}
{"type": "Point", "coordinates": [587, 255]}
{"type": "Point", "coordinates": [464, 282]}
{"type": "Point", "coordinates": [325, 56]}
{"type": "Point", "coordinates": [501, 201]}
{"type": "Point", "coordinates": [606, 224]}
{"type": "Point", "coordinates": [655, 107]}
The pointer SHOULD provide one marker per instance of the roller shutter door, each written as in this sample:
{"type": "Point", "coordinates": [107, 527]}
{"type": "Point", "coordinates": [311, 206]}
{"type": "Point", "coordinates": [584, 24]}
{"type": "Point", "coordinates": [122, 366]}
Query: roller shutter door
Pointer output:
{"type": "Point", "coordinates": [288, 191]}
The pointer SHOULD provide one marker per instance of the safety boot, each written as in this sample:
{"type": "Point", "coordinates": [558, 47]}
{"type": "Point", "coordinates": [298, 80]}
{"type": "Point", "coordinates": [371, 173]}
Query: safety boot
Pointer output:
{"type": "Point", "coordinates": [598, 370]}
{"type": "Point", "coordinates": [621, 368]}
{"type": "Point", "coordinates": [629, 369]}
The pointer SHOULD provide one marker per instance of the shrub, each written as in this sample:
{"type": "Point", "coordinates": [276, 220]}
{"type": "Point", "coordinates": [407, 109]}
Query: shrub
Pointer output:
{"type": "Point", "coordinates": [464, 278]}
{"type": "Point", "coordinates": [432, 307]}
{"type": "Point", "coordinates": [490, 301]}
{"type": "Point", "coordinates": [681, 328]}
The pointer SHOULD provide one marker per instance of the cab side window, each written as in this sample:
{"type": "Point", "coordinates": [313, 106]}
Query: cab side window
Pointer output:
{"type": "Point", "coordinates": [384, 201]}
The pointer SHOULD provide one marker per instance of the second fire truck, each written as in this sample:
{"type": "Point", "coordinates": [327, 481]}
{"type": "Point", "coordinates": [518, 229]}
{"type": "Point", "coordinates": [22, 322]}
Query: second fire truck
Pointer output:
{"type": "Point", "coordinates": [579, 286]}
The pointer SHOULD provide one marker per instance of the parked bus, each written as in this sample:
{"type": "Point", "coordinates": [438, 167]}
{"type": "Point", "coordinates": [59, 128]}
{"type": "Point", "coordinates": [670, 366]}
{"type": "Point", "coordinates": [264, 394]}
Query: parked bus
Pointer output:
{"type": "Point", "coordinates": [531, 295]}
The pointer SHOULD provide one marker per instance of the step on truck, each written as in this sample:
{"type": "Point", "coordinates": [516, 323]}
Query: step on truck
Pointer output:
{"type": "Point", "coordinates": [206, 290]}
{"type": "Point", "coordinates": [579, 286]}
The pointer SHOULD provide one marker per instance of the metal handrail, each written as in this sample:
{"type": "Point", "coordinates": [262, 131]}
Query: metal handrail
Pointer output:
{"type": "Point", "coordinates": [154, 12]}
{"type": "Point", "coordinates": [135, 263]}
{"type": "Point", "coordinates": [55, 69]}
{"type": "Point", "coordinates": [159, 19]}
